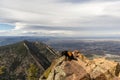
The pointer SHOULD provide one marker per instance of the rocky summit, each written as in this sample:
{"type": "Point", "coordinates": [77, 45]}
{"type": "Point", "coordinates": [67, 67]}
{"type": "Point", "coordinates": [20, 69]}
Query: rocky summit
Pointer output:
{"type": "Point", "coordinates": [82, 69]}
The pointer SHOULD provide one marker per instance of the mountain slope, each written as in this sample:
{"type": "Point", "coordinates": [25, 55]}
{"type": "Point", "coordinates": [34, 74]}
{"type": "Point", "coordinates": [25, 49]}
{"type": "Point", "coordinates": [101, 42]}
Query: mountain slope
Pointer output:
{"type": "Point", "coordinates": [25, 60]}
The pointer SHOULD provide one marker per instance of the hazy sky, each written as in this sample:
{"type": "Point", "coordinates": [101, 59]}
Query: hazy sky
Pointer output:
{"type": "Point", "coordinates": [72, 18]}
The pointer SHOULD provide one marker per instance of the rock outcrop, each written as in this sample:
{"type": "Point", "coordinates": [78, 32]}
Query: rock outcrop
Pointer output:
{"type": "Point", "coordinates": [82, 69]}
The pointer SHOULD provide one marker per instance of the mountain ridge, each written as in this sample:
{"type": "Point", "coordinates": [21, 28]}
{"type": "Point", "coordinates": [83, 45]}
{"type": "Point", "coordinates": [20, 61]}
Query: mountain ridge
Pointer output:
{"type": "Point", "coordinates": [20, 57]}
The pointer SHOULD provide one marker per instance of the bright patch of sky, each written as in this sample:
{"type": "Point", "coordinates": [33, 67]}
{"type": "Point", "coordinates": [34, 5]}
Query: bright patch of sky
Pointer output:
{"type": "Point", "coordinates": [6, 27]}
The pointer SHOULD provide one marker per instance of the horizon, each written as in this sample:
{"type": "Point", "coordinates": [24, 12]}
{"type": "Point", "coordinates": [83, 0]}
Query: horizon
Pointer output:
{"type": "Point", "coordinates": [59, 37]}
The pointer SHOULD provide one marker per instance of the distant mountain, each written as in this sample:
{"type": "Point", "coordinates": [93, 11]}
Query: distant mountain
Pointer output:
{"type": "Point", "coordinates": [25, 60]}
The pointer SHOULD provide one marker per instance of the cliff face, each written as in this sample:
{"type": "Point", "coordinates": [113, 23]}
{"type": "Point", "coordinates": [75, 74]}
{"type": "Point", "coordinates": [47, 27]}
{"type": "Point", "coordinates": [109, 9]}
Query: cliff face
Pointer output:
{"type": "Point", "coordinates": [82, 69]}
{"type": "Point", "coordinates": [25, 60]}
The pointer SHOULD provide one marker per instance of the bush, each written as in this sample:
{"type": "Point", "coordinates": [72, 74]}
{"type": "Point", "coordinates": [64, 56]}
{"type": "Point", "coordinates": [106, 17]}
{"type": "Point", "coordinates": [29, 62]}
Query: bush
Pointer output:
{"type": "Point", "coordinates": [2, 70]}
{"type": "Point", "coordinates": [32, 72]}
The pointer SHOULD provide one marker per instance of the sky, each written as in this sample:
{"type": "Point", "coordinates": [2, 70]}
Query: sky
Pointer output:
{"type": "Point", "coordinates": [60, 18]}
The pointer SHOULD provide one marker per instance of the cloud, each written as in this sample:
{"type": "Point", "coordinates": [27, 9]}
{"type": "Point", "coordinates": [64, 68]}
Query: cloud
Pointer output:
{"type": "Point", "coordinates": [61, 17]}
{"type": "Point", "coordinates": [75, 1]}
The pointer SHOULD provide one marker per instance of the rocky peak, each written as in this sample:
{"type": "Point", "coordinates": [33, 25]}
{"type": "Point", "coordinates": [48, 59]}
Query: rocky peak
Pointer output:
{"type": "Point", "coordinates": [82, 69]}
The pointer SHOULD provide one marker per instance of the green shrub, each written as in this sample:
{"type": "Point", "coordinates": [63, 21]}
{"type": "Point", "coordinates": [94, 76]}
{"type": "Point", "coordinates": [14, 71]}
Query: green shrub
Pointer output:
{"type": "Point", "coordinates": [32, 72]}
{"type": "Point", "coordinates": [2, 70]}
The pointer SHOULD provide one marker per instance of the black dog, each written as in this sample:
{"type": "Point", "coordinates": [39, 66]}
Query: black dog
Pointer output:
{"type": "Point", "coordinates": [68, 55]}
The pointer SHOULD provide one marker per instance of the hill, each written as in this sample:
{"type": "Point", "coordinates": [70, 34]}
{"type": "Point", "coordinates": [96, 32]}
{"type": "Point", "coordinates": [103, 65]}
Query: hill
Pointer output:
{"type": "Point", "coordinates": [25, 60]}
